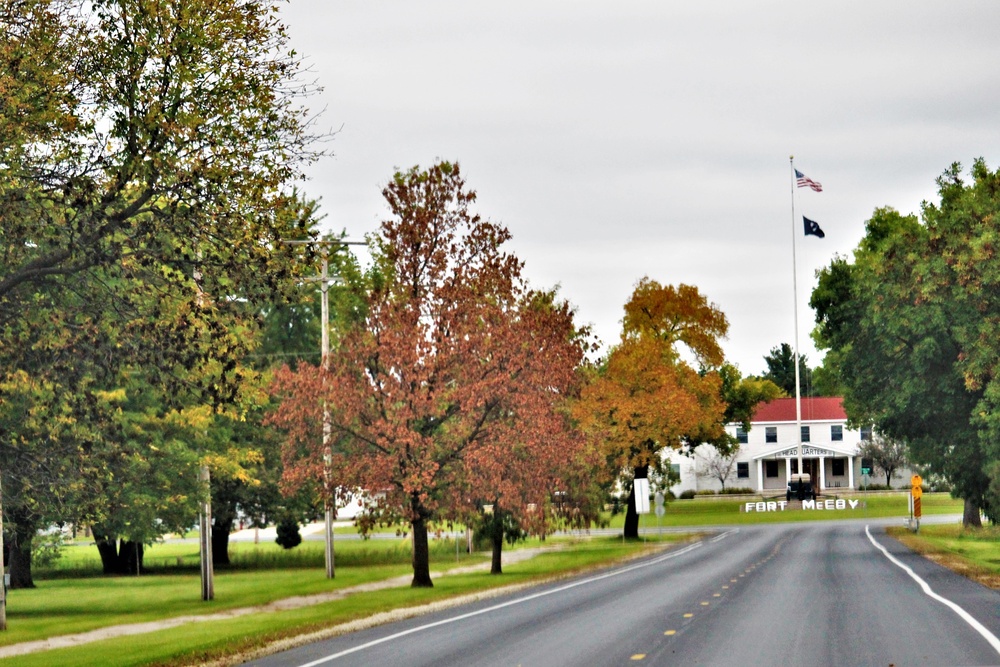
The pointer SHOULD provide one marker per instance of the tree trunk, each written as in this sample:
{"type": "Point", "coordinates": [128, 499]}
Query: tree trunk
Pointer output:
{"type": "Point", "coordinates": [19, 554]}
{"type": "Point", "coordinates": [421, 555]}
{"type": "Point", "coordinates": [631, 515]}
{"type": "Point", "coordinates": [970, 515]}
{"type": "Point", "coordinates": [496, 540]}
{"type": "Point", "coordinates": [107, 547]}
{"type": "Point", "coordinates": [220, 539]}
{"type": "Point", "coordinates": [130, 558]}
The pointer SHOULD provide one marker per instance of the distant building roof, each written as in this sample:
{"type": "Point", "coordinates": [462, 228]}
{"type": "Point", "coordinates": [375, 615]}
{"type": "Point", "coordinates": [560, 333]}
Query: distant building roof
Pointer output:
{"type": "Point", "coordinates": [813, 409]}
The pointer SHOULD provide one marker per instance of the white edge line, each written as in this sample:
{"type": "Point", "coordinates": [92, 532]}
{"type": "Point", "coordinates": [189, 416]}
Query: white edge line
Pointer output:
{"type": "Point", "coordinates": [964, 615]}
{"type": "Point", "coordinates": [606, 575]}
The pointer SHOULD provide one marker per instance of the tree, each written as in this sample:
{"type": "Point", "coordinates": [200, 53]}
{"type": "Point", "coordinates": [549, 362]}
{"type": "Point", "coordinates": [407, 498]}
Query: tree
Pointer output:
{"type": "Point", "coordinates": [781, 370]}
{"type": "Point", "coordinates": [646, 397]}
{"type": "Point", "coordinates": [718, 465]}
{"type": "Point", "coordinates": [887, 454]}
{"type": "Point", "coordinates": [451, 376]}
{"type": "Point", "coordinates": [145, 155]}
{"type": "Point", "coordinates": [911, 321]}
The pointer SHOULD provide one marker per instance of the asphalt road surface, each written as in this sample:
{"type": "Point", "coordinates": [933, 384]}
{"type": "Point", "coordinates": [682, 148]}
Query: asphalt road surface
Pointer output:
{"type": "Point", "coordinates": [814, 594]}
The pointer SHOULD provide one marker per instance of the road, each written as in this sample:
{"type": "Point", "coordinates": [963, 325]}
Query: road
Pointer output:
{"type": "Point", "coordinates": [831, 593]}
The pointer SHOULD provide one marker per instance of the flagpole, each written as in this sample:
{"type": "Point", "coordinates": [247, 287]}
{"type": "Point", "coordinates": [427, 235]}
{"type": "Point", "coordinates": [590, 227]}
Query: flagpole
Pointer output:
{"type": "Point", "coordinates": [795, 294]}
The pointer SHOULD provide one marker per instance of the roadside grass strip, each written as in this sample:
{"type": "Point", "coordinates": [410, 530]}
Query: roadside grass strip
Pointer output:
{"type": "Point", "coordinates": [964, 615]}
{"type": "Point", "coordinates": [520, 600]}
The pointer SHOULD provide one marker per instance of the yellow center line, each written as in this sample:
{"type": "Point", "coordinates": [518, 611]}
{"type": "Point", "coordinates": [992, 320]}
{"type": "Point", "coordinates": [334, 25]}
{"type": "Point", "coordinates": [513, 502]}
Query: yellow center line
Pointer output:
{"type": "Point", "coordinates": [688, 615]}
{"type": "Point", "coordinates": [638, 656]}
{"type": "Point", "coordinates": [670, 633]}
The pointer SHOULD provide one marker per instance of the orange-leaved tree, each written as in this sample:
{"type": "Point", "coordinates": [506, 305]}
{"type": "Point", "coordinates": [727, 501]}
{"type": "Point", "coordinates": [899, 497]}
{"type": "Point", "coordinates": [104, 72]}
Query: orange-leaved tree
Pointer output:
{"type": "Point", "coordinates": [659, 387]}
{"type": "Point", "coordinates": [450, 388]}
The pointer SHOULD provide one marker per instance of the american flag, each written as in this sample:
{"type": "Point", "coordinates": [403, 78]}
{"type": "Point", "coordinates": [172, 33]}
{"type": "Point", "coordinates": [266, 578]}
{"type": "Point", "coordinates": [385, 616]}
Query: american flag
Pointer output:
{"type": "Point", "coordinates": [805, 181]}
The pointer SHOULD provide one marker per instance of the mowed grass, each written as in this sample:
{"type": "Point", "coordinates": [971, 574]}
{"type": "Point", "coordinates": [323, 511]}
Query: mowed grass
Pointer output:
{"type": "Point", "coordinates": [721, 510]}
{"type": "Point", "coordinates": [70, 605]}
{"type": "Point", "coordinates": [72, 597]}
{"type": "Point", "coordinates": [972, 552]}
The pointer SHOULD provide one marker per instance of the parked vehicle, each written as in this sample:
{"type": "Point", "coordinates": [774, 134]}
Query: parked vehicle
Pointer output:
{"type": "Point", "coordinates": [800, 487]}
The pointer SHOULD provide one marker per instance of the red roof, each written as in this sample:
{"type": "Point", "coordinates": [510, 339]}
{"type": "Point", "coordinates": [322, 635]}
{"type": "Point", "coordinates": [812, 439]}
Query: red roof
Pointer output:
{"type": "Point", "coordinates": [813, 409]}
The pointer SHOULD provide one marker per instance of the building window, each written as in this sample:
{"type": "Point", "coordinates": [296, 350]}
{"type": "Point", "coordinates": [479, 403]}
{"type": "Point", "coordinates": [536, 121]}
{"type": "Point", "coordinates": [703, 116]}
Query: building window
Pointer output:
{"type": "Point", "coordinates": [770, 468]}
{"type": "Point", "coordinates": [838, 467]}
{"type": "Point", "coordinates": [675, 468]}
{"type": "Point", "coordinates": [866, 433]}
{"type": "Point", "coordinates": [836, 433]}
{"type": "Point", "coordinates": [743, 470]}
{"type": "Point", "coordinates": [805, 434]}
{"type": "Point", "coordinates": [794, 466]}
{"type": "Point", "coordinates": [741, 435]}
{"type": "Point", "coordinates": [770, 434]}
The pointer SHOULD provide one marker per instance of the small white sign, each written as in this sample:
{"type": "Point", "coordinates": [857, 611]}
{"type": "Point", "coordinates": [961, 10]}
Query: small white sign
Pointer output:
{"type": "Point", "coordinates": [641, 487]}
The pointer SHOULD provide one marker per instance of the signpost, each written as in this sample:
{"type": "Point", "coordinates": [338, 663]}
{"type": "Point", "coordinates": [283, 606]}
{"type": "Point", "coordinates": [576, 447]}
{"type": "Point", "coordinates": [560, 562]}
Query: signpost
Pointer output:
{"type": "Point", "coordinates": [641, 489]}
{"type": "Point", "coordinates": [658, 498]}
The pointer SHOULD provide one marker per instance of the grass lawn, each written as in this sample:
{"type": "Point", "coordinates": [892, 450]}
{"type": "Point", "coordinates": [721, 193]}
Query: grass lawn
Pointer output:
{"type": "Point", "coordinates": [974, 553]}
{"type": "Point", "coordinates": [72, 597]}
{"type": "Point", "coordinates": [64, 605]}
{"type": "Point", "coordinates": [721, 510]}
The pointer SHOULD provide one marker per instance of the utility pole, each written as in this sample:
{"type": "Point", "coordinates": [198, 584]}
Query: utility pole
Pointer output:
{"type": "Point", "coordinates": [205, 539]}
{"type": "Point", "coordinates": [330, 506]}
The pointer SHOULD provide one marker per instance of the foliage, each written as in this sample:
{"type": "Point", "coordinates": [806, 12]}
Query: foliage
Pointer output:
{"type": "Point", "coordinates": [781, 371]}
{"type": "Point", "coordinates": [449, 391]}
{"type": "Point", "coordinates": [146, 153]}
{"type": "Point", "coordinates": [288, 535]}
{"type": "Point", "coordinates": [912, 321]}
{"type": "Point", "coordinates": [646, 397]}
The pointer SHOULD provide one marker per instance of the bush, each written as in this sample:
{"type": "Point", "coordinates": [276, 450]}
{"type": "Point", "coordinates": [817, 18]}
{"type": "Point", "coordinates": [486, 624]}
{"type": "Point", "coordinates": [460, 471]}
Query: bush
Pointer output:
{"type": "Point", "coordinates": [706, 492]}
{"type": "Point", "coordinates": [740, 491]}
{"type": "Point", "coordinates": [687, 494]}
{"type": "Point", "coordinates": [288, 534]}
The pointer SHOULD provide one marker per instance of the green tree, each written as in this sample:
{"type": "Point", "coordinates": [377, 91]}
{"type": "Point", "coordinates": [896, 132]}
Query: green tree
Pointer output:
{"type": "Point", "coordinates": [909, 320]}
{"type": "Point", "coordinates": [146, 152]}
{"type": "Point", "coordinates": [781, 370]}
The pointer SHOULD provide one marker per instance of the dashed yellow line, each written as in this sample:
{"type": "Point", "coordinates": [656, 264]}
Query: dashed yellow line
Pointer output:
{"type": "Point", "coordinates": [638, 656]}
{"type": "Point", "coordinates": [688, 615]}
{"type": "Point", "coordinates": [670, 633]}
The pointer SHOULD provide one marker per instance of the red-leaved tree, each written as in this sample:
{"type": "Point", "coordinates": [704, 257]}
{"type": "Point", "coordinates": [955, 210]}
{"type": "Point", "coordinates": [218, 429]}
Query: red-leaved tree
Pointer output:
{"type": "Point", "coordinates": [450, 392]}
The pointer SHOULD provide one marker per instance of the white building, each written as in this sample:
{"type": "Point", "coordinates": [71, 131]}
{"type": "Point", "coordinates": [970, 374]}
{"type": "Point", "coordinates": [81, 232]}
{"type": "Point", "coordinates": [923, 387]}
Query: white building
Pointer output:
{"type": "Point", "coordinates": [768, 452]}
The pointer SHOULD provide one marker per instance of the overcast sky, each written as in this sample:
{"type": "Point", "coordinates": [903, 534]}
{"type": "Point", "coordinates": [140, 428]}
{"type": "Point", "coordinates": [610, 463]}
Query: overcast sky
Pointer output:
{"type": "Point", "coordinates": [652, 138]}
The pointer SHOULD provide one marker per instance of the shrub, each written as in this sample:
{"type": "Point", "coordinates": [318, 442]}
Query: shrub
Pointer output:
{"type": "Point", "coordinates": [287, 531]}
{"type": "Point", "coordinates": [687, 494]}
{"type": "Point", "coordinates": [706, 492]}
{"type": "Point", "coordinates": [740, 491]}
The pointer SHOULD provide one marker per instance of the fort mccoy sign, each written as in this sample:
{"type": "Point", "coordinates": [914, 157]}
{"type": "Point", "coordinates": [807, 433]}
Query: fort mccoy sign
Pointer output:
{"type": "Point", "coordinates": [782, 505]}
